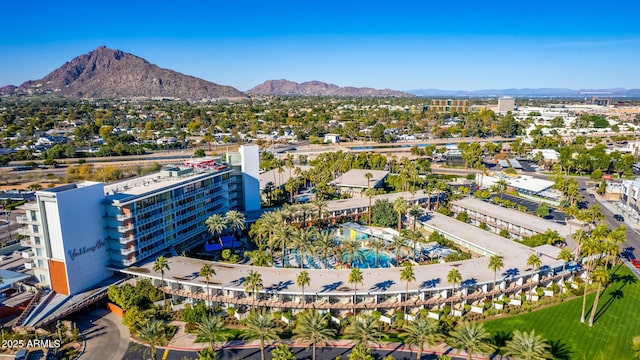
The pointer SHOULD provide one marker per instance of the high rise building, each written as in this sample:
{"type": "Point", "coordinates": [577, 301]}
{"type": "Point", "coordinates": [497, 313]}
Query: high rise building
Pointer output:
{"type": "Point", "coordinates": [78, 231]}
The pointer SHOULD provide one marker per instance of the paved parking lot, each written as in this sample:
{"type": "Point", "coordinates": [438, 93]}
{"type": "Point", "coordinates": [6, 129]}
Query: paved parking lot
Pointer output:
{"type": "Point", "coordinates": [555, 214]}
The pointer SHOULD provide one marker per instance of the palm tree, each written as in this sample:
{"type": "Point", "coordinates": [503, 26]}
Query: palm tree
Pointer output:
{"type": "Point", "coordinates": [369, 175]}
{"type": "Point", "coordinates": [454, 278]}
{"type": "Point", "coordinates": [472, 338]}
{"type": "Point", "coordinates": [153, 333]}
{"type": "Point", "coordinates": [415, 237]}
{"type": "Point", "coordinates": [501, 185]}
{"type": "Point", "coordinates": [210, 328]}
{"type": "Point", "coordinates": [303, 241]}
{"type": "Point", "coordinates": [422, 331]}
{"type": "Point", "coordinates": [566, 255]}
{"type": "Point", "coordinates": [355, 278]}
{"type": "Point", "coordinates": [363, 328]}
{"type": "Point", "coordinates": [206, 271]}
{"type": "Point", "coordinates": [352, 250]}
{"type": "Point", "coordinates": [415, 211]}
{"type": "Point", "coordinates": [261, 325]}
{"type": "Point", "coordinates": [527, 346]}
{"type": "Point", "coordinates": [325, 244]}
{"type": "Point", "coordinates": [216, 224]}
{"type": "Point", "coordinates": [312, 327]}
{"type": "Point", "coordinates": [407, 274]}
{"type": "Point", "coordinates": [321, 205]}
{"type": "Point", "coordinates": [615, 238]}
{"type": "Point", "coordinates": [534, 261]}
{"type": "Point", "coordinates": [376, 245]}
{"type": "Point", "coordinates": [495, 264]}
{"type": "Point", "coordinates": [253, 284]}
{"type": "Point", "coordinates": [400, 207]}
{"type": "Point", "coordinates": [302, 281]}
{"type": "Point", "coordinates": [398, 242]}
{"type": "Point", "coordinates": [236, 221]}
{"type": "Point", "coordinates": [590, 246]}
{"type": "Point", "coordinates": [280, 236]}
{"type": "Point", "coordinates": [160, 265]}
{"type": "Point", "coordinates": [601, 276]}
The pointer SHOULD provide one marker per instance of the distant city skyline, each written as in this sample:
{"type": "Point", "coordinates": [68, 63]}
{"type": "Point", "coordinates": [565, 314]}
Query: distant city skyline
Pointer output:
{"type": "Point", "coordinates": [400, 45]}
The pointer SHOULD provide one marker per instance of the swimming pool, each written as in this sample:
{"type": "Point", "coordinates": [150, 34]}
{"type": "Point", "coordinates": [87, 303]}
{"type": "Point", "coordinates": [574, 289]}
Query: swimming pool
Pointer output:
{"type": "Point", "coordinates": [369, 259]}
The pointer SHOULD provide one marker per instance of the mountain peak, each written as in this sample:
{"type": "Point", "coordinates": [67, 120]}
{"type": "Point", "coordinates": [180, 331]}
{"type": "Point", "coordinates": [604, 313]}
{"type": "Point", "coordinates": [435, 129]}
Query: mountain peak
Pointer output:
{"type": "Point", "coordinates": [317, 88]}
{"type": "Point", "coordinates": [111, 73]}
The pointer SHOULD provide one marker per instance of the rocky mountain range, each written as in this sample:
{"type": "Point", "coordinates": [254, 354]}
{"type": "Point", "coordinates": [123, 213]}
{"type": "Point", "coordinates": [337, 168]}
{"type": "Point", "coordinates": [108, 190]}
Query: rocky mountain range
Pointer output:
{"type": "Point", "coordinates": [108, 73]}
{"type": "Point", "coordinates": [318, 88]}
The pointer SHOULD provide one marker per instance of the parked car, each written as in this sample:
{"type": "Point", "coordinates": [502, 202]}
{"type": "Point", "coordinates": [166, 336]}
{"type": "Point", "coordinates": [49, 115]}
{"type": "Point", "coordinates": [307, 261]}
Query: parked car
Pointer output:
{"type": "Point", "coordinates": [637, 265]}
{"type": "Point", "coordinates": [592, 196]}
{"type": "Point", "coordinates": [618, 217]}
{"type": "Point", "coordinates": [635, 261]}
{"type": "Point", "coordinates": [22, 354]}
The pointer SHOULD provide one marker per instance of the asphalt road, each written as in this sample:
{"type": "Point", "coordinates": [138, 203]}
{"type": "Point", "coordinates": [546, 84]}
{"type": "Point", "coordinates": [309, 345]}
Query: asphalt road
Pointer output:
{"type": "Point", "coordinates": [137, 352]}
{"type": "Point", "coordinates": [633, 236]}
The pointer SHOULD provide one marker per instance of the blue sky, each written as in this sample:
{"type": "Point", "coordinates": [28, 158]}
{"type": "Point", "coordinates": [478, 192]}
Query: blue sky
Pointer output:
{"type": "Point", "coordinates": [400, 45]}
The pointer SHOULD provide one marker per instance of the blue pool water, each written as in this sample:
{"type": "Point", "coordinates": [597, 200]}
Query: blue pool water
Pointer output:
{"type": "Point", "coordinates": [369, 259]}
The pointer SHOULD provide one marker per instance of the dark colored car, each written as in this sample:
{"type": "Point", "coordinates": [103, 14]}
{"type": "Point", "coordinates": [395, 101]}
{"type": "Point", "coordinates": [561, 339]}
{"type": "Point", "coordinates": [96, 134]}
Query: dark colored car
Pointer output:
{"type": "Point", "coordinates": [618, 217]}
{"type": "Point", "coordinates": [592, 196]}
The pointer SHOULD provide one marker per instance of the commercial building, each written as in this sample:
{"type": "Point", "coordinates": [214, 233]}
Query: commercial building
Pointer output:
{"type": "Point", "coordinates": [449, 105]}
{"type": "Point", "coordinates": [78, 232]}
{"type": "Point", "coordinates": [506, 103]}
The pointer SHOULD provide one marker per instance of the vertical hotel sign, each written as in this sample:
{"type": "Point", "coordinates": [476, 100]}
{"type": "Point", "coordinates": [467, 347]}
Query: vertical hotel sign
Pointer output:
{"type": "Point", "coordinates": [75, 252]}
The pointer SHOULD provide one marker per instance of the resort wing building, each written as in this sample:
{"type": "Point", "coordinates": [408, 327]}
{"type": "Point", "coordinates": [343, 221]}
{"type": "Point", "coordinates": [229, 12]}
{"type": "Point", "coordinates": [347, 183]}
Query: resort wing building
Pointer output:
{"type": "Point", "coordinates": [73, 228]}
{"type": "Point", "coordinates": [497, 218]}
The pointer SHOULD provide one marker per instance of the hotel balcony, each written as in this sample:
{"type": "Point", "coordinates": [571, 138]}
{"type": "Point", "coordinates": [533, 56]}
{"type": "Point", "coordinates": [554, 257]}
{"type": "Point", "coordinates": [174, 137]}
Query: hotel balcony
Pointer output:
{"type": "Point", "coordinates": [26, 231]}
{"type": "Point", "coordinates": [30, 265]}
{"type": "Point", "coordinates": [123, 217]}
{"type": "Point", "coordinates": [127, 251]}
{"type": "Point", "coordinates": [129, 262]}
{"type": "Point", "coordinates": [125, 228]}
{"type": "Point", "coordinates": [27, 254]}
{"type": "Point", "coordinates": [24, 219]}
{"type": "Point", "coordinates": [126, 240]}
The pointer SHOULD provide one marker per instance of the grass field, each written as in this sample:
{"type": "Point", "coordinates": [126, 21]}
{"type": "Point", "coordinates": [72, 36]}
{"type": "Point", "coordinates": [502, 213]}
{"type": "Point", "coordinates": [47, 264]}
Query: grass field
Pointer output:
{"type": "Point", "coordinates": [617, 321]}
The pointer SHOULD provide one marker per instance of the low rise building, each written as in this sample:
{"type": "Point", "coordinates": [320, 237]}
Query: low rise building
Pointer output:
{"type": "Point", "coordinates": [498, 218]}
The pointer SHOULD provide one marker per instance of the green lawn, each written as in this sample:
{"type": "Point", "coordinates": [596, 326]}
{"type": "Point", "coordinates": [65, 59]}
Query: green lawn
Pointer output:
{"type": "Point", "coordinates": [617, 322]}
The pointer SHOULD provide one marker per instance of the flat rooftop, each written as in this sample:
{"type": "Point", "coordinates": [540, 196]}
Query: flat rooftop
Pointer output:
{"type": "Point", "coordinates": [356, 178]}
{"type": "Point", "coordinates": [383, 280]}
{"type": "Point", "coordinates": [127, 190]}
{"type": "Point", "coordinates": [512, 216]}
{"type": "Point", "coordinates": [360, 202]}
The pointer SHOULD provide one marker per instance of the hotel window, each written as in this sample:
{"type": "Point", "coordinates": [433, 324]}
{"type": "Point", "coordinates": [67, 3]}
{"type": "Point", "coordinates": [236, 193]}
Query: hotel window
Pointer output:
{"type": "Point", "coordinates": [36, 239]}
{"type": "Point", "coordinates": [38, 252]}
{"type": "Point", "coordinates": [34, 228]}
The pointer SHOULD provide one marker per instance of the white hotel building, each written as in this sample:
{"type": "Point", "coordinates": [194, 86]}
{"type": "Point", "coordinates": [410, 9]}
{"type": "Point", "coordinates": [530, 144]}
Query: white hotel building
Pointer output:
{"type": "Point", "coordinates": [78, 231]}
